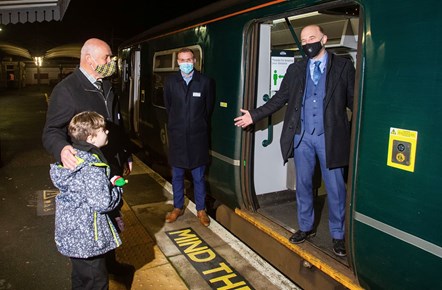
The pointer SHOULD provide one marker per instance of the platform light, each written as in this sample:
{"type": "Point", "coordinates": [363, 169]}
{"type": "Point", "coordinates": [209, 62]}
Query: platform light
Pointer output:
{"type": "Point", "coordinates": [38, 60]}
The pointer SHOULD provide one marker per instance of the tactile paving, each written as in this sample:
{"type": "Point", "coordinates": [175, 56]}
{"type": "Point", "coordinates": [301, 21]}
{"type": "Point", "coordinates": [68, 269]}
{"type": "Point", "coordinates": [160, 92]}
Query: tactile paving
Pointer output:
{"type": "Point", "coordinates": [152, 268]}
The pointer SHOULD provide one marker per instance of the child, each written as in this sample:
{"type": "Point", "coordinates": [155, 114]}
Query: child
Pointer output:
{"type": "Point", "coordinates": [83, 229]}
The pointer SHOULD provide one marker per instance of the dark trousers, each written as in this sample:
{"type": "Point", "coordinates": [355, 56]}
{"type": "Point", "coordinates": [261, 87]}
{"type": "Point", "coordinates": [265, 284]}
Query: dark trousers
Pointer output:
{"type": "Point", "coordinates": [199, 185]}
{"type": "Point", "coordinates": [90, 273]}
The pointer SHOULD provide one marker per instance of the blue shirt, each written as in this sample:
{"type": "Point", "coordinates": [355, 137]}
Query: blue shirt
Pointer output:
{"type": "Point", "coordinates": [187, 79]}
{"type": "Point", "coordinates": [322, 65]}
{"type": "Point", "coordinates": [89, 77]}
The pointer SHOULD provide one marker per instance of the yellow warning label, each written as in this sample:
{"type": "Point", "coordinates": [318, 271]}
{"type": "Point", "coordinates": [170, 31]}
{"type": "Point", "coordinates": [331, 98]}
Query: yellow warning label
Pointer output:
{"type": "Point", "coordinates": [402, 149]}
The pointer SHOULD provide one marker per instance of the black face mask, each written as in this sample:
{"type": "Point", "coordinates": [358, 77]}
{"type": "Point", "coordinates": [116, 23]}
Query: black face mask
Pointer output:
{"type": "Point", "coordinates": [312, 49]}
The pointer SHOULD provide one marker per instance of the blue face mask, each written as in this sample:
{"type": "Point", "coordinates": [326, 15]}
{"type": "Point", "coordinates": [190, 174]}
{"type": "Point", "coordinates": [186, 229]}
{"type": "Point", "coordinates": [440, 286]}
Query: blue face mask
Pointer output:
{"type": "Point", "coordinates": [186, 67]}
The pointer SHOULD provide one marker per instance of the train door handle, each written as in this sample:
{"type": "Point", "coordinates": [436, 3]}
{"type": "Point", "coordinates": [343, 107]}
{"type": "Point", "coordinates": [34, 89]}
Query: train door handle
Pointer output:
{"type": "Point", "coordinates": [269, 139]}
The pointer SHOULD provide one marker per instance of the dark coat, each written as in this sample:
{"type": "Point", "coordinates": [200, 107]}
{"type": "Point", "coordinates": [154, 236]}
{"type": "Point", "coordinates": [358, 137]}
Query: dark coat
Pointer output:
{"type": "Point", "coordinates": [189, 108]}
{"type": "Point", "coordinates": [76, 94]}
{"type": "Point", "coordinates": [339, 96]}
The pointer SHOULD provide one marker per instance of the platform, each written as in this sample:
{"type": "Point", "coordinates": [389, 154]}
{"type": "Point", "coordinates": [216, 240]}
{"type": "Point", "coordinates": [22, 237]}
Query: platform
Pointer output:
{"type": "Point", "coordinates": [147, 245]}
{"type": "Point", "coordinates": [181, 255]}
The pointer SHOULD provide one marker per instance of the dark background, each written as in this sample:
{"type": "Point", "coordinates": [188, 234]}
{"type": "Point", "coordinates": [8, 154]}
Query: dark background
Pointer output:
{"type": "Point", "coordinates": [110, 20]}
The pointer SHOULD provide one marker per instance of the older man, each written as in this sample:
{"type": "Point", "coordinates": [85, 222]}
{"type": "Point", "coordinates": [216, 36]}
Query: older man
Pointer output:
{"type": "Point", "coordinates": [86, 89]}
{"type": "Point", "coordinates": [89, 89]}
{"type": "Point", "coordinates": [318, 90]}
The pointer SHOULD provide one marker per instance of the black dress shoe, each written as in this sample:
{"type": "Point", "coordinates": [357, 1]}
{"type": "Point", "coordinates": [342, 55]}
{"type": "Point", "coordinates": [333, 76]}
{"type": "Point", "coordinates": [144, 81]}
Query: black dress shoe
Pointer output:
{"type": "Point", "coordinates": [300, 236]}
{"type": "Point", "coordinates": [339, 248]}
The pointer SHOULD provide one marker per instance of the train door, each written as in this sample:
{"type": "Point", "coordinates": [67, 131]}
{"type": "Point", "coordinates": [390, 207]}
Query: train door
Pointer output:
{"type": "Point", "coordinates": [134, 95]}
{"type": "Point", "coordinates": [275, 47]}
{"type": "Point", "coordinates": [269, 170]}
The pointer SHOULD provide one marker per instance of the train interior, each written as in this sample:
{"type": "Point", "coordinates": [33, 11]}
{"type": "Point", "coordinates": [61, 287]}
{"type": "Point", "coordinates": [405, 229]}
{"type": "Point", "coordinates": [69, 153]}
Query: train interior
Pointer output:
{"type": "Point", "coordinates": [274, 183]}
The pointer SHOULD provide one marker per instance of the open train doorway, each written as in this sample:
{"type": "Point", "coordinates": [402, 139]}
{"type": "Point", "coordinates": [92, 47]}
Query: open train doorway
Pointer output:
{"type": "Point", "coordinates": [278, 45]}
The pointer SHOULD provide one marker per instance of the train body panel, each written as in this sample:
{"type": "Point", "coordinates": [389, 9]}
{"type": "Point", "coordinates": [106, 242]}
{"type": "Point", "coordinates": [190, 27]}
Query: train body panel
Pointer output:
{"type": "Point", "coordinates": [397, 211]}
{"type": "Point", "coordinates": [392, 206]}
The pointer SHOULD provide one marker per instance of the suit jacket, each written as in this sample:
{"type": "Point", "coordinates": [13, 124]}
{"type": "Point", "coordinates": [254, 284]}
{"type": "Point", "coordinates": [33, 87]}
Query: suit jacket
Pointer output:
{"type": "Point", "coordinates": [76, 94]}
{"type": "Point", "coordinates": [339, 96]}
{"type": "Point", "coordinates": [189, 108]}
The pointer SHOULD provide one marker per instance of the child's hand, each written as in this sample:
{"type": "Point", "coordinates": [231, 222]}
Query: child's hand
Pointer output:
{"type": "Point", "coordinates": [118, 181]}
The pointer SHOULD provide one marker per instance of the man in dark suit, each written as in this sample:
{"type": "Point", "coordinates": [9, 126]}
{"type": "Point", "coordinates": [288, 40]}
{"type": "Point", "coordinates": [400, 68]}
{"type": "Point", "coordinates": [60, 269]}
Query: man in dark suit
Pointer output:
{"type": "Point", "coordinates": [318, 91]}
{"type": "Point", "coordinates": [189, 98]}
{"type": "Point", "coordinates": [88, 88]}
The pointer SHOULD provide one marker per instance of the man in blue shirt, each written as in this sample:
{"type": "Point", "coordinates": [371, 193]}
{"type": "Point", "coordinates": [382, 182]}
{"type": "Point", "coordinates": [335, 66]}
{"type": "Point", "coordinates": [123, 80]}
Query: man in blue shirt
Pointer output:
{"type": "Point", "coordinates": [318, 91]}
{"type": "Point", "coordinates": [189, 98]}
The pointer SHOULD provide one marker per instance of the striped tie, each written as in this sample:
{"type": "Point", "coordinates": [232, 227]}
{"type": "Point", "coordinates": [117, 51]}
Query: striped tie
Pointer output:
{"type": "Point", "coordinates": [99, 85]}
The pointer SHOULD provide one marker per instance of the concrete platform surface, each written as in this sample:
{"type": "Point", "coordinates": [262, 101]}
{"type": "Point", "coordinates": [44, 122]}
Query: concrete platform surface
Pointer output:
{"type": "Point", "coordinates": [181, 255]}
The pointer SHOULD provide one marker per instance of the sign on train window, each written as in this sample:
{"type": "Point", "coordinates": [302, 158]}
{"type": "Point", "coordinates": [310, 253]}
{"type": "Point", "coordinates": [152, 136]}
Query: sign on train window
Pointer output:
{"type": "Point", "coordinates": [164, 64]}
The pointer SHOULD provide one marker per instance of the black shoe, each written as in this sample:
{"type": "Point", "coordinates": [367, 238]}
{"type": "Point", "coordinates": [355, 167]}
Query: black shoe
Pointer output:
{"type": "Point", "coordinates": [339, 248]}
{"type": "Point", "coordinates": [300, 236]}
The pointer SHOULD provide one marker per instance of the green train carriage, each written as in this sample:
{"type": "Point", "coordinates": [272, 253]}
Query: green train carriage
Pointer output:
{"type": "Point", "coordinates": [393, 203]}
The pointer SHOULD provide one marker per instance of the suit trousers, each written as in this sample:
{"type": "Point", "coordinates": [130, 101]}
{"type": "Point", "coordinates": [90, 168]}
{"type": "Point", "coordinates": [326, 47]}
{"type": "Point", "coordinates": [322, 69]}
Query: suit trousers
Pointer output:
{"type": "Point", "coordinates": [305, 160]}
{"type": "Point", "coordinates": [90, 273]}
{"type": "Point", "coordinates": [199, 186]}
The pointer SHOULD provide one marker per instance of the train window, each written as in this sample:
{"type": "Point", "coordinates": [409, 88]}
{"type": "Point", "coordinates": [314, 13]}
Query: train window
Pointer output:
{"type": "Point", "coordinates": [164, 64]}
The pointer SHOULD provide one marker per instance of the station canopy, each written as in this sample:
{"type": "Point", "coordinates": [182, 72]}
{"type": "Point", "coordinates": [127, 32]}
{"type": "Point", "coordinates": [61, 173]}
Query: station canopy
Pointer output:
{"type": "Point", "coordinates": [29, 11]}
{"type": "Point", "coordinates": [63, 51]}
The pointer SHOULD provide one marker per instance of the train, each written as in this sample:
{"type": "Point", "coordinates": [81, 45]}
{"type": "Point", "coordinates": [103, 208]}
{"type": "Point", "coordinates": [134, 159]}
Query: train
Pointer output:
{"type": "Point", "coordinates": [393, 200]}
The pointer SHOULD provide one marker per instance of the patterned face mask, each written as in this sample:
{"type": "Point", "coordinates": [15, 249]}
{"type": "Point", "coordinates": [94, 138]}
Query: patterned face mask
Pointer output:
{"type": "Point", "coordinates": [107, 69]}
{"type": "Point", "coordinates": [186, 67]}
